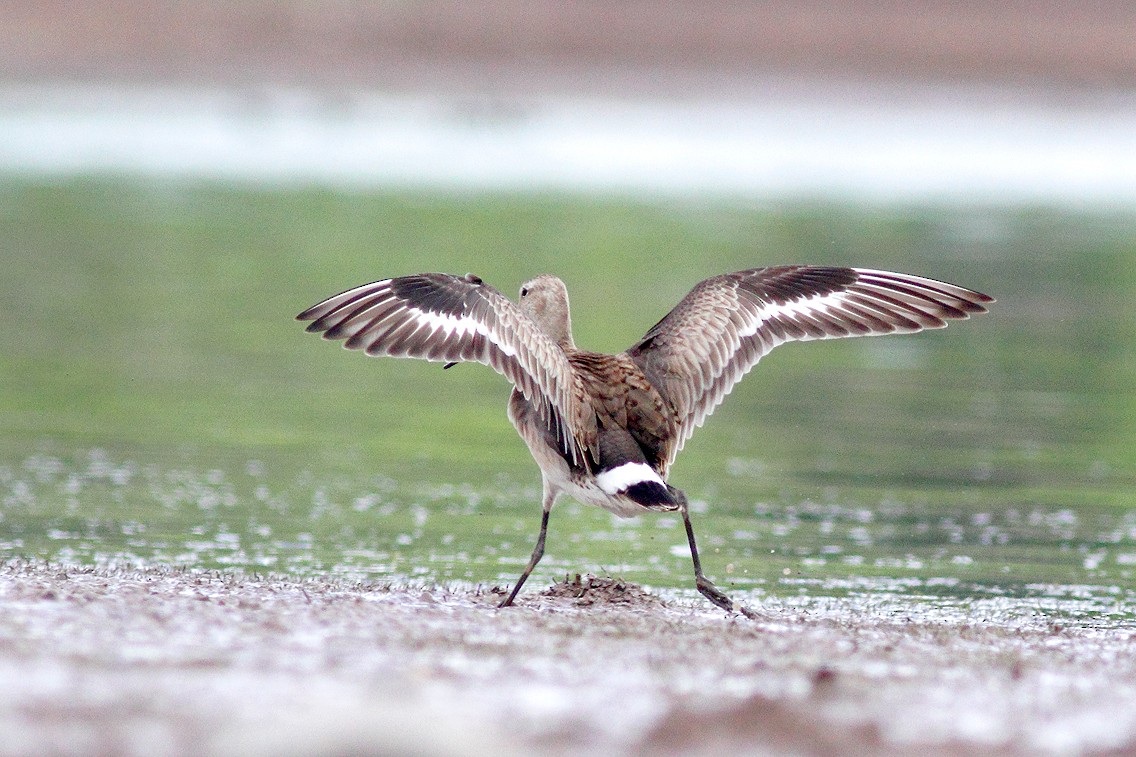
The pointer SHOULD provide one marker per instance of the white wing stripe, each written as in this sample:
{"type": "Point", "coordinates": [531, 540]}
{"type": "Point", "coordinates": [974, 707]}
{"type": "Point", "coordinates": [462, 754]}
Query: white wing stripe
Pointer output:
{"type": "Point", "coordinates": [806, 306]}
{"type": "Point", "coordinates": [382, 324]}
{"type": "Point", "coordinates": [459, 326]}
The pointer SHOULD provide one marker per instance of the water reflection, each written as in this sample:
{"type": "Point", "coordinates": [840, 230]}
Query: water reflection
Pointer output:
{"type": "Point", "coordinates": [380, 529]}
{"type": "Point", "coordinates": [994, 456]}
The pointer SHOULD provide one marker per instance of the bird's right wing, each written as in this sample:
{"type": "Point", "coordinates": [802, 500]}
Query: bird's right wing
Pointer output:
{"type": "Point", "coordinates": [719, 331]}
{"type": "Point", "coordinates": [446, 318]}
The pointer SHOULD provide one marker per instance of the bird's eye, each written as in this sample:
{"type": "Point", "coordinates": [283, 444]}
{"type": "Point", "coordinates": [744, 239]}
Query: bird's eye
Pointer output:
{"type": "Point", "coordinates": [524, 291]}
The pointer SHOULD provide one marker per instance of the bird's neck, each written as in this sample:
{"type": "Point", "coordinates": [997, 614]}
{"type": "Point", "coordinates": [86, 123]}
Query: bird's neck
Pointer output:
{"type": "Point", "coordinates": [561, 332]}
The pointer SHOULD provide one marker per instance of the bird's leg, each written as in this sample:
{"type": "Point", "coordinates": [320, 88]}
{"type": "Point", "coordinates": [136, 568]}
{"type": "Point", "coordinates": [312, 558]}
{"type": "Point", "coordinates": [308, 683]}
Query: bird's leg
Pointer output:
{"type": "Point", "coordinates": [705, 586]}
{"type": "Point", "coordinates": [538, 552]}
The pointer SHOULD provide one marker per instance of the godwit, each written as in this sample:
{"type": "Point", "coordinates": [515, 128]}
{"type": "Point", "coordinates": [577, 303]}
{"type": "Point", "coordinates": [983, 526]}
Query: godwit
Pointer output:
{"type": "Point", "coordinates": [605, 429]}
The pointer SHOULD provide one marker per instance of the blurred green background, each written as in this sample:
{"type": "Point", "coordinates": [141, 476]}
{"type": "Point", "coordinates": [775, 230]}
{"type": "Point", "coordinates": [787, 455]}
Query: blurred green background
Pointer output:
{"type": "Point", "coordinates": [160, 404]}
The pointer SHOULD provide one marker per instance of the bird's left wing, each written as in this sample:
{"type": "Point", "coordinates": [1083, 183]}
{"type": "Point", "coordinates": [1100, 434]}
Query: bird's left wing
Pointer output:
{"type": "Point", "coordinates": [446, 318]}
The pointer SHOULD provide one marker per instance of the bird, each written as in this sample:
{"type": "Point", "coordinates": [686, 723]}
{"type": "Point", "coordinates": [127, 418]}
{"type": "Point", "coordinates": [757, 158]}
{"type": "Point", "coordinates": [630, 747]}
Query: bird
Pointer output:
{"type": "Point", "coordinates": [605, 429]}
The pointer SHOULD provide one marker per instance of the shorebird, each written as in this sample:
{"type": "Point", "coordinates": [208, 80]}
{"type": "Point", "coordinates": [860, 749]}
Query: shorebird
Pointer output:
{"type": "Point", "coordinates": [605, 429]}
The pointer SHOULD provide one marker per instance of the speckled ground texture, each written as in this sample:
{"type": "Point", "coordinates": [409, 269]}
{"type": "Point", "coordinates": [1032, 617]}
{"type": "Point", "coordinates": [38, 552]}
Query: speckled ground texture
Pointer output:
{"type": "Point", "coordinates": [174, 662]}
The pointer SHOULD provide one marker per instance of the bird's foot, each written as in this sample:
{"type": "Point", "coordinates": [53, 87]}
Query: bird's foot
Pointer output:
{"type": "Point", "coordinates": [707, 589]}
{"type": "Point", "coordinates": [508, 600]}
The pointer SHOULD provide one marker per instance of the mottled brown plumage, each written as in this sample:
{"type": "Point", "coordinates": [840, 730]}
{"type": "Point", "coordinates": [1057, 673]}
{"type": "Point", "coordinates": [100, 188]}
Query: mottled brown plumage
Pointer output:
{"type": "Point", "coordinates": [606, 428]}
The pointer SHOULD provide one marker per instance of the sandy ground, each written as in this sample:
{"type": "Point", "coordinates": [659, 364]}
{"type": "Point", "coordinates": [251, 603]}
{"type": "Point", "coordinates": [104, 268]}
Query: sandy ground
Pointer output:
{"type": "Point", "coordinates": [672, 47]}
{"type": "Point", "coordinates": [168, 662]}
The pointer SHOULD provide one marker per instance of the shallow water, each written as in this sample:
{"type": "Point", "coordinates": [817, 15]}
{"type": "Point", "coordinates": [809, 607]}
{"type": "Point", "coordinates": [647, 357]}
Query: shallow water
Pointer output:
{"type": "Point", "coordinates": [162, 408]}
{"type": "Point", "coordinates": [94, 510]}
{"type": "Point", "coordinates": [856, 140]}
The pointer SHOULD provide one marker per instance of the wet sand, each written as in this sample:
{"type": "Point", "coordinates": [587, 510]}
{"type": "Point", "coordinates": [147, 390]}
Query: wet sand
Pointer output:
{"type": "Point", "coordinates": [665, 48]}
{"type": "Point", "coordinates": [170, 662]}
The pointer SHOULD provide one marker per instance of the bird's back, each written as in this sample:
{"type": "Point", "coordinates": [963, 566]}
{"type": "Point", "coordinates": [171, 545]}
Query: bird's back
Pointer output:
{"type": "Point", "coordinates": [622, 397]}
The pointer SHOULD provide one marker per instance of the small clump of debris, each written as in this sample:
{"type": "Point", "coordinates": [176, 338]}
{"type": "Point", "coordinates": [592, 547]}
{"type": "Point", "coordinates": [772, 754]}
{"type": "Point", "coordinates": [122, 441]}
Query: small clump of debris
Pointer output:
{"type": "Point", "coordinates": [593, 590]}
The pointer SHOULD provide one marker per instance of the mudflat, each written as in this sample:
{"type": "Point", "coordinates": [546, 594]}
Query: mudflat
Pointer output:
{"type": "Point", "coordinates": [166, 661]}
{"type": "Point", "coordinates": [673, 48]}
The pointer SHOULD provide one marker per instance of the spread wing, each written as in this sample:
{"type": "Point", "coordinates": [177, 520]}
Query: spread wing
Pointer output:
{"type": "Point", "coordinates": [445, 318]}
{"type": "Point", "coordinates": [719, 331]}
